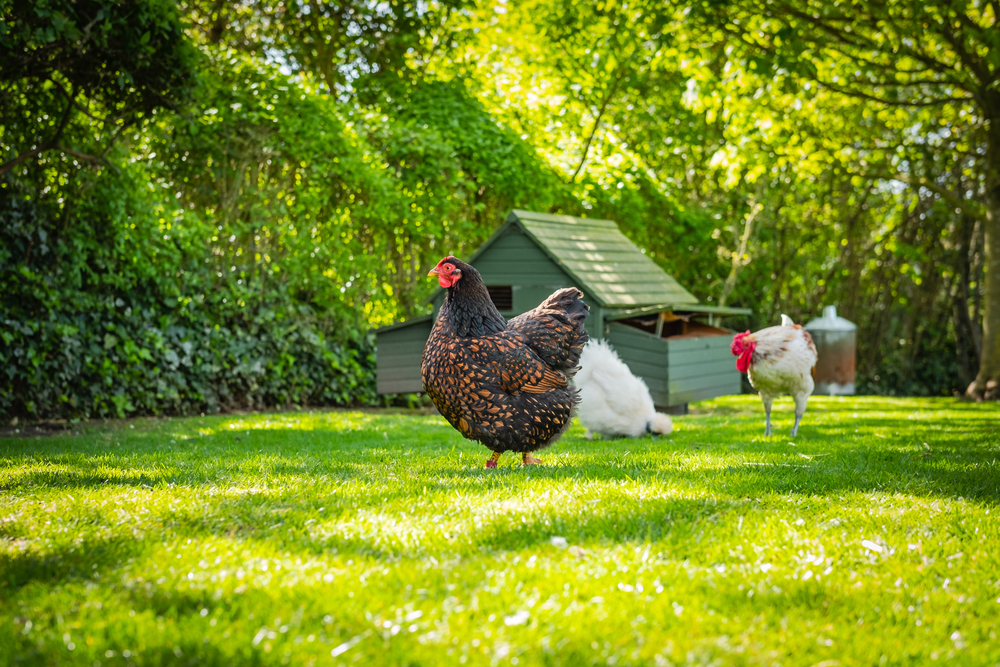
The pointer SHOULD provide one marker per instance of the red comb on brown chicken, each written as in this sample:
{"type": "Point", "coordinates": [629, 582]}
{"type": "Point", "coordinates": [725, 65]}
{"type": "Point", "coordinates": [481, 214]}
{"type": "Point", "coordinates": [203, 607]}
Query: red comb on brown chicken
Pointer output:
{"type": "Point", "coordinates": [504, 384]}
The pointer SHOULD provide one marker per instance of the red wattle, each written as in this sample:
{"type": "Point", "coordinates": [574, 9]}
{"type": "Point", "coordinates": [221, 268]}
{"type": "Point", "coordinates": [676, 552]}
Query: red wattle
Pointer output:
{"type": "Point", "coordinates": [444, 281]}
{"type": "Point", "coordinates": [743, 361]}
{"type": "Point", "coordinates": [743, 350]}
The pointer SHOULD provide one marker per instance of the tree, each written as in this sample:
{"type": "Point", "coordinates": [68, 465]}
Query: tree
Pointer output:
{"type": "Point", "coordinates": [348, 45]}
{"type": "Point", "coordinates": [110, 62]}
{"type": "Point", "coordinates": [678, 128]}
{"type": "Point", "coordinates": [938, 61]}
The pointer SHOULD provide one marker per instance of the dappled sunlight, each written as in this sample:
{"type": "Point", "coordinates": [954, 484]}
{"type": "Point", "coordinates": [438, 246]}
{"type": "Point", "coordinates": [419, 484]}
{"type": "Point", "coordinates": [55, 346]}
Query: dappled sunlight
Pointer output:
{"type": "Point", "coordinates": [347, 524]}
{"type": "Point", "coordinates": [380, 532]}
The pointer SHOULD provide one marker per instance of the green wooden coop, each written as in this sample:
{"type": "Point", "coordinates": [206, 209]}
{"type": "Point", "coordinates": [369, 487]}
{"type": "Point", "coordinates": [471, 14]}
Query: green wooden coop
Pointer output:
{"type": "Point", "coordinates": [657, 327]}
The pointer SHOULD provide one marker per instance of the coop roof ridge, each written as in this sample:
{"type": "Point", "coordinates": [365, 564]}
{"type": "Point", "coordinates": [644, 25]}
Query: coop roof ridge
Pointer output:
{"type": "Point", "coordinates": [650, 284]}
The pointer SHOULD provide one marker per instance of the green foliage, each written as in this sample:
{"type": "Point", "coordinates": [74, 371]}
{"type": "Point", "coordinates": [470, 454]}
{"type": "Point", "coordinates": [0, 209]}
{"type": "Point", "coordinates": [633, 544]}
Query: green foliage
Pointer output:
{"type": "Point", "coordinates": [455, 173]}
{"type": "Point", "coordinates": [130, 56]}
{"type": "Point", "coordinates": [348, 537]}
{"type": "Point", "coordinates": [274, 178]}
{"type": "Point", "coordinates": [345, 45]}
{"type": "Point", "coordinates": [113, 318]}
{"type": "Point", "coordinates": [239, 253]}
{"type": "Point", "coordinates": [273, 185]}
{"type": "Point", "coordinates": [757, 180]}
{"type": "Point", "coordinates": [74, 75]}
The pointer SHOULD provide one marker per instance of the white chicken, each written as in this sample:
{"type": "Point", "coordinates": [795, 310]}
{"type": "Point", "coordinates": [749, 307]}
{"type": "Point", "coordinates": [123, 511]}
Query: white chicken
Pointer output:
{"type": "Point", "coordinates": [613, 402]}
{"type": "Point", "coordinates": [778, 360]}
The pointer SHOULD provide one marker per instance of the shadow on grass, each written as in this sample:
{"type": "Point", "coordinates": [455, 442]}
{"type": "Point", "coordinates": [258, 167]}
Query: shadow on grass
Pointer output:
{"type": "Point", "coordinates": [193, 651]}
{"type": "Point", "coordinates": [82, 560]}
{"type": "Point", "coordinates": [961, 461]}
{"type": "Point", "coordinates": [77, 479]}
{"type": "Point", "coordinates": [830, 460]}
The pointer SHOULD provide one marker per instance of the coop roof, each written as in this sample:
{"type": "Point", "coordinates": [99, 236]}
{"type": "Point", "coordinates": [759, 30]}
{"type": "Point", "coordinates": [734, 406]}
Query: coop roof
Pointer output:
{"type": "Point", "coordinates": [607, 266]}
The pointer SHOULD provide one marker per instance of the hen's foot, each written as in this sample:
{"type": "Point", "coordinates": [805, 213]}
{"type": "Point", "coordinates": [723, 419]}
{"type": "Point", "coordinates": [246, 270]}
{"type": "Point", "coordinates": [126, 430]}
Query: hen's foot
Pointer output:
{"type": "Point", "coordinates": [492, 463]}
{"type": "Point", "coordinates": [795, 429]}
{"type": "Point", "coordinates": [530, 460]}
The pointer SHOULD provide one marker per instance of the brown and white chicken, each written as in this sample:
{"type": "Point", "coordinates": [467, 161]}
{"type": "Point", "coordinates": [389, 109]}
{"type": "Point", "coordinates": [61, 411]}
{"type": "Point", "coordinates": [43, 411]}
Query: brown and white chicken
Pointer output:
{"type": "Point", "coordinates": [778, 360]}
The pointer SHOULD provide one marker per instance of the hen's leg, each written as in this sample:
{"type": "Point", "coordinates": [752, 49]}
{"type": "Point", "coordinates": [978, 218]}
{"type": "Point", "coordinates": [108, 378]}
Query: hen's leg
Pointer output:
{"type": "Point", "coordinates": [800, 409]}
{"type": "Point", "coordinates": [768, 401]}
{"type": "Point", "coordinates": [529, 460]}
{"type": "Point", "coordinates": [492, 463]}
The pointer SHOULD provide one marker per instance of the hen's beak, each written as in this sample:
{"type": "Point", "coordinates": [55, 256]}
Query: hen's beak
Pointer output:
{"type": "Point", "coordinates": [433, 272]}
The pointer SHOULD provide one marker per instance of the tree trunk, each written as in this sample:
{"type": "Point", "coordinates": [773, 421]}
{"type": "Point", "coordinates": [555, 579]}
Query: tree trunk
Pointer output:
{"type": "Point", "coordinates": [967, 345]}
{"type": "Point", "coordinates": [987, 383]}
{"type": "Point", "coordinates": [737, 258]}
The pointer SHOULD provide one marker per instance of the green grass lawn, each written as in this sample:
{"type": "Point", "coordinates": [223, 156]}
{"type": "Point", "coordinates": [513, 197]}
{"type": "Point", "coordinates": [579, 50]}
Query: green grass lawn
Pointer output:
{"type": "Point", "coordinates": [378, 539]}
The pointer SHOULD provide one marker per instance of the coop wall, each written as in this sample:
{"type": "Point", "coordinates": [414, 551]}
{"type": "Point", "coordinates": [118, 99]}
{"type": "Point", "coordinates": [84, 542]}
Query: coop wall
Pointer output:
{"type": "Point", "coordinates": [646, 357]}
{"type": "Point", "coordinates": [701, 368]}
{"type": "Point", "coordinates": [399, 352]}
{"type": "Point", "coordinates": [677, 371]}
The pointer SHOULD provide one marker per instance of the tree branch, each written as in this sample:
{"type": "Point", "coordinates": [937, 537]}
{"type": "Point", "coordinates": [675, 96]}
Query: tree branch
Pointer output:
{"type": "Point", "coordinates": [887, 67]}
{"type": "Point", "coordinates": [600, 114]}
{"type": "Point", "coordinates": [81, 109]}
{"type": "Point", "coordinates": [218, 17]}
{"type": "Point", "coordinates": [78, 154]}
{"type": "Point", "coordinates": [898, 103]}
{"type": "Point", "coordinates": [963, 204]}
{"type": "Point", "coordinates": [859, 41]}
{"type": "Point", "coordinates": [41, 148]}
{"type": "Point", "coordinates": [853, 39]}
{"type": "Point", "coordinates": [963, 55]}
{"type": "Point", "coordinates": [932, 63]}
{"type": "Point", "coordinates": [736, 259]}
{"type": "Point", "coordinates": [844, 38]}
{"type": "Point", "coordinates": [87, 157]}
{"type": "Point", "coordinates": [597, 124]}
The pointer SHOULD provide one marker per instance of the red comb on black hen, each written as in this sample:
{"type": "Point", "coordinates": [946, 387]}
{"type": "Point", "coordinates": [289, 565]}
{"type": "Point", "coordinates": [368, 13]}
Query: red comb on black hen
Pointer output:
{"type": "Point", "coordinates": [504, 384]}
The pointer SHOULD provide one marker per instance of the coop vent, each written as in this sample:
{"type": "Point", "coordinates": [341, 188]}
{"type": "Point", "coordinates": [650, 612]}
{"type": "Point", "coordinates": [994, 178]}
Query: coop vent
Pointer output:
{"type": "Point", "coordinates": [502, 296]}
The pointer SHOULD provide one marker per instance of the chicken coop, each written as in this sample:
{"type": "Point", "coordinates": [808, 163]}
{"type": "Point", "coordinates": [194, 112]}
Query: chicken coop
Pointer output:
{"type": "Point", "coordinates": [657, 327]}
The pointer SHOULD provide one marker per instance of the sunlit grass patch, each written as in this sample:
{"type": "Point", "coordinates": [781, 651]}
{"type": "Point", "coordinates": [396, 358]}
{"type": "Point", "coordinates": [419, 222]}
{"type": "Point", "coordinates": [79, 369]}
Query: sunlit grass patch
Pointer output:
{"type": "Point", "coordinates": [364, 538]}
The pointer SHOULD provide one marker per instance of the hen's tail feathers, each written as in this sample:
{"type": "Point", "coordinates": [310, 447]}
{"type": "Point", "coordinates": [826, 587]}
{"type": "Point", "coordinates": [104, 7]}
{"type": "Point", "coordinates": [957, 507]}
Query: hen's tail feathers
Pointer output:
{"type": "Point", "coordinates": [661, 424]}
{"type": "Point", "coordinates": [786, 321]}
{"type": "Point", "coordinates": [570, 302]}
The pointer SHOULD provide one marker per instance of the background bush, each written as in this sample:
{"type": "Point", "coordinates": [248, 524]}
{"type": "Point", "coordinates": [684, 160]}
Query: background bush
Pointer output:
{"type": "Point", "coordinates": [113, 318]}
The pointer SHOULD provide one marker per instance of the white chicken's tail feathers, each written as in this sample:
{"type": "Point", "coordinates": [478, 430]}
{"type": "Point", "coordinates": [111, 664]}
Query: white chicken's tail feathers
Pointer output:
{"type": "Point", "coordinates": [786, 321]}
{"type": "Point", "coordinates": [661, 424]}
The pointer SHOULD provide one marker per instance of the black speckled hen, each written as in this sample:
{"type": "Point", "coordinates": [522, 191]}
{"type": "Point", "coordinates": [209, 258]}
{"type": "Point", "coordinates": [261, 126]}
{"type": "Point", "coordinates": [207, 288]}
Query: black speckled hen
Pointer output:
{"type": "Point", "coordinates": [503, 384]}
